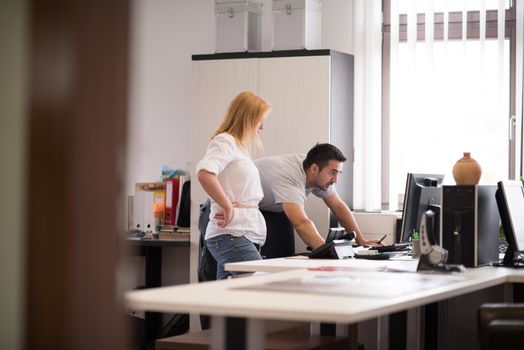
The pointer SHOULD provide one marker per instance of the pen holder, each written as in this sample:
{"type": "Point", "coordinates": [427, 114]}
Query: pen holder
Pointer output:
{"type": "Point", "coordinates": [415, 249]}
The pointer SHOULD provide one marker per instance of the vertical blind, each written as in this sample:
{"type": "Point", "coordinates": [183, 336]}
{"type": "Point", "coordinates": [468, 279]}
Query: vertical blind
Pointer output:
{"type": "Point", "coordinates": [367, 43]}
{"type": "Point", "coordinates": [449, 94]}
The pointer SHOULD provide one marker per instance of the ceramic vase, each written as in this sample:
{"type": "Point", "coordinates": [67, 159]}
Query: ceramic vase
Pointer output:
{"type": "Point", "coordinates": [467, 171]}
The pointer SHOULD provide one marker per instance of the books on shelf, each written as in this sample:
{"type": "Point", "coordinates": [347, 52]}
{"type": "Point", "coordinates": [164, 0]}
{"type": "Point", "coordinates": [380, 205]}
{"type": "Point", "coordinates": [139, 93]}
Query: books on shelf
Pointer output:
{"type": "Point", "coordinates": [168, 228]}
{"type": "Point", "coordinates": [173, 229]}
{"type": "Point", "coordinates": [149, 186]}
{"type": "Point", "coordinates": [183, 230]}
{"type": "Point", "coordinates": [177, 236]}
{"type": "Point", "coordinates": [155, 205]}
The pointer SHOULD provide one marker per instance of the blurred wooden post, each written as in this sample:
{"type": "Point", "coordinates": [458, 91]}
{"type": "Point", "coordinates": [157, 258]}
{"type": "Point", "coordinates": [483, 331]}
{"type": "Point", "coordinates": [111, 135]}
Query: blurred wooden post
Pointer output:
{"type": "Point", "coordinates": [77, 107]}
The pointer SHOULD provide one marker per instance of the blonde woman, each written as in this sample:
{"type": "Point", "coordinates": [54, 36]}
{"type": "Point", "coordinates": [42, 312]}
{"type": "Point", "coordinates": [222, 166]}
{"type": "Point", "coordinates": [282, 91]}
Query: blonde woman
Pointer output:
{"type": "Point", "coordinates": [236, 229]}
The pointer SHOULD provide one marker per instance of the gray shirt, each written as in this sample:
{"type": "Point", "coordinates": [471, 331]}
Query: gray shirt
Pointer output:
{"type": "Point", "coordinates": [284, 181]}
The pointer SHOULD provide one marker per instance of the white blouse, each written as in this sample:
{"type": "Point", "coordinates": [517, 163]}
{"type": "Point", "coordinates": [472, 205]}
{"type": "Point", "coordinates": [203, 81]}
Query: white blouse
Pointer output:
{"type": "Point", "coordinates": [240, 180]}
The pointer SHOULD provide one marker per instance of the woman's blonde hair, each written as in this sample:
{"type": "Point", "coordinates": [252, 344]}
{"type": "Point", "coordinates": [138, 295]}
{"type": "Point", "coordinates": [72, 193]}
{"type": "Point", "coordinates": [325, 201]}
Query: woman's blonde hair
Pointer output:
{"type": "Point", "coordinates": [242, 118]}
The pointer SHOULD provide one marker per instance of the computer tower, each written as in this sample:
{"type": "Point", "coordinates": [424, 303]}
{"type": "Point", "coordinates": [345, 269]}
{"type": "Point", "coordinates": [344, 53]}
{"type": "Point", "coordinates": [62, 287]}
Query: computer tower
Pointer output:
{"type": "Point", "coordinates": [469, 224]}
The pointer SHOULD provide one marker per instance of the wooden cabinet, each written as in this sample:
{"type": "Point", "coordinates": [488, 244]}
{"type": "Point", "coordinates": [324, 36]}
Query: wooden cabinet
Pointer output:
{"type": "Point", "coordinates": [312, 97]}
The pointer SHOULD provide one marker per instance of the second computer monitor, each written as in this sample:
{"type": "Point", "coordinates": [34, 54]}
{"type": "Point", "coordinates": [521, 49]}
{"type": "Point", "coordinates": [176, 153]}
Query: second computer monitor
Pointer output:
{"type": "Point", "coordinates": [422, 193]}
{"type": "Point", "coordinates": [510, 201]}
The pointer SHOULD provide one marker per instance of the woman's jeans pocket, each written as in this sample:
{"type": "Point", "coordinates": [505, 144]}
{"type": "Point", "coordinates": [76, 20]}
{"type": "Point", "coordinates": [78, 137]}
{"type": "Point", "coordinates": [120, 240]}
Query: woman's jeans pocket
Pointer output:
{"type": "Point", "coordinates": [228, 249]}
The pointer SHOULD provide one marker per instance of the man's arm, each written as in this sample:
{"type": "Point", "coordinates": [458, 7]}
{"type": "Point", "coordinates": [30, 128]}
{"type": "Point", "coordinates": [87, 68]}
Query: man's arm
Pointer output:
{"type": "Point", "coordinates": [346, 219]}
{"type": "Point", "coordinates": [303, 225]}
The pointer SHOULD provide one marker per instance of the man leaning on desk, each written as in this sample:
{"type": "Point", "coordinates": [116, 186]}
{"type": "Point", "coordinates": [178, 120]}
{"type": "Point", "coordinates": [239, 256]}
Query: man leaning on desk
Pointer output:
{"type": "Point", "coordinates": [286, 181]}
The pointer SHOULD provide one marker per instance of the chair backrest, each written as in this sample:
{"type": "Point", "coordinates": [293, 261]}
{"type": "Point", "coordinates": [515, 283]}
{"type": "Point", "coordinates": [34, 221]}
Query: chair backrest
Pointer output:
{"type": "Point", "coordinates": [501, 325]}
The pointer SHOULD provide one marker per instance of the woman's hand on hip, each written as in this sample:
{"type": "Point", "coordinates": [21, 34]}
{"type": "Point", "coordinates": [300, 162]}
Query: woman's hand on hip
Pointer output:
{"type": "Point", "coordinates": [223, 218]}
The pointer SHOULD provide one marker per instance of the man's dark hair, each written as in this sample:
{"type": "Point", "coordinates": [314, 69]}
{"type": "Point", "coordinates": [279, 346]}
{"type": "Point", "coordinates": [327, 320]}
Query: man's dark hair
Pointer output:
{"type": "Point", "coordinates": [321, 154]}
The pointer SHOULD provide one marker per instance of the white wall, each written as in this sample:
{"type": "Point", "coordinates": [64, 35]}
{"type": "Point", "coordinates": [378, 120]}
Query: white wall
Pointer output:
{"type": "Point", "coordinates": [165, 33]}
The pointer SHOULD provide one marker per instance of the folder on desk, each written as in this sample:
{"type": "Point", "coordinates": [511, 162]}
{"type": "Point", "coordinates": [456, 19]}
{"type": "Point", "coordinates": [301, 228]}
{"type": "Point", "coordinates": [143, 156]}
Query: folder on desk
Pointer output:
{"type": "Point", "coordinates": [172, 195]}
{"type": "Point", "coordinates": [149, 218]}
{"type": "Point", "coordinates": [149, 196]}
{"type": "Point", "coordinates": [159, 208]}
{"type": "Point", "coordinates": [138, 210]}
{"type": "Point", "coordinates": [184, 206]}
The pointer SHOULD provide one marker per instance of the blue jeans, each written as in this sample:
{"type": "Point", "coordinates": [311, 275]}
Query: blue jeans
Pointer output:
{"type": "Point", "coordinates": [228, 249]}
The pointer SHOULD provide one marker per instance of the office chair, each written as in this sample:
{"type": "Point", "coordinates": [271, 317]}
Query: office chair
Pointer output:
{"type": "Point", "coordinates": [501, 325]}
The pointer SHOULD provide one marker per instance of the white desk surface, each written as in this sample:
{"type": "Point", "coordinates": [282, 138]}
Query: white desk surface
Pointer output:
{"type": "Point", "coordinates": [301, 262]}
{"type": "Point", "coordinates": [223, 298]}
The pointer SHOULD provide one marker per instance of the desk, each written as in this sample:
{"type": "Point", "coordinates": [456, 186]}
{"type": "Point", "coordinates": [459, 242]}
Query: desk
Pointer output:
{"type": "Point", "coordinates": [231, 298]}
{"type": "Point", "coordinates": [151, 249]}
{"type": "Point", "coordinates": [397, 321]}
{"type": "Point", "coordinates": [302, 262]}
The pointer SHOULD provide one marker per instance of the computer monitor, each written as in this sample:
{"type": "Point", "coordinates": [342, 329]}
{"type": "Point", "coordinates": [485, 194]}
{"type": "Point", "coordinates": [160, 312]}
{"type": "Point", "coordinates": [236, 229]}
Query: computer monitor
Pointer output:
{"type": "Point", "coordinates": [422, 193]}
{"type": "Point", "coordinates": [510, 201]}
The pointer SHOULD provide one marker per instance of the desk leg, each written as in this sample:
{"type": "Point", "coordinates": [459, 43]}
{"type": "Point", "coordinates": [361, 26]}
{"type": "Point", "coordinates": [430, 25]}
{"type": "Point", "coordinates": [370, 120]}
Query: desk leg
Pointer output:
{"type": "Point", "coordinates": [153, 279]}
{"type": "Point", "coordinates": [431, 326]}
{"type": "Point", "coordinates": [339, 330]}
{"type": "Point", "coordinates": [153, 266]}
{"type": "Point", "coordinates": [397, 330]}
{"type": "Point", "coordinates": [518, 292]}
{"type": "Point", "coordinates": [350, 331]}
{"type": "Point", "coordinates": [234, 333]}
{"type": "Point", "coordinates": [314, 328]}
{"type": "Point", "coordinates": [328, 329]}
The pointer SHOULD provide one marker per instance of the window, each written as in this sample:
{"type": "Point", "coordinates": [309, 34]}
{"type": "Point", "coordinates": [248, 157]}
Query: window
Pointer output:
{"type": "Point", "coordinates": [447, 90]}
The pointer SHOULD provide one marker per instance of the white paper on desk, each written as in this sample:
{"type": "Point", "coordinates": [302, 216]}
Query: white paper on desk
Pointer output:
{"type": "Point", "coordinates": [378, 286]}
{"type": "Point", "coordinates": [297, 257]}
{"type": "Point", "coordinates": [350, 268]}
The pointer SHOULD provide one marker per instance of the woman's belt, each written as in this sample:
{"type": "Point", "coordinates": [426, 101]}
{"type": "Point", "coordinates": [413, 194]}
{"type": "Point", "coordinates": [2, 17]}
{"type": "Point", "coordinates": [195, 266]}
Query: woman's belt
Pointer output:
{"type": "Point", "coordinates": [244, 206]}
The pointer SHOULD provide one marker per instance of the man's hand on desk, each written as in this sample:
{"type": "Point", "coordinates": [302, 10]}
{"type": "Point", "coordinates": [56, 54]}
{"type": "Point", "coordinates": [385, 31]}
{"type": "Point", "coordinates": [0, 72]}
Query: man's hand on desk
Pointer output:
{"type": "Point", "coordinates": [370, 243]}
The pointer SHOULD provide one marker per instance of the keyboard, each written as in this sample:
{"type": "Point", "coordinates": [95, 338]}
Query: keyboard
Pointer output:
{"type": "Point", "coordinates": [517, 264]}
{"type": "Point", "coordinates": [371, 254]}
{"type": "Point", "coordinates": [392, 248]}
